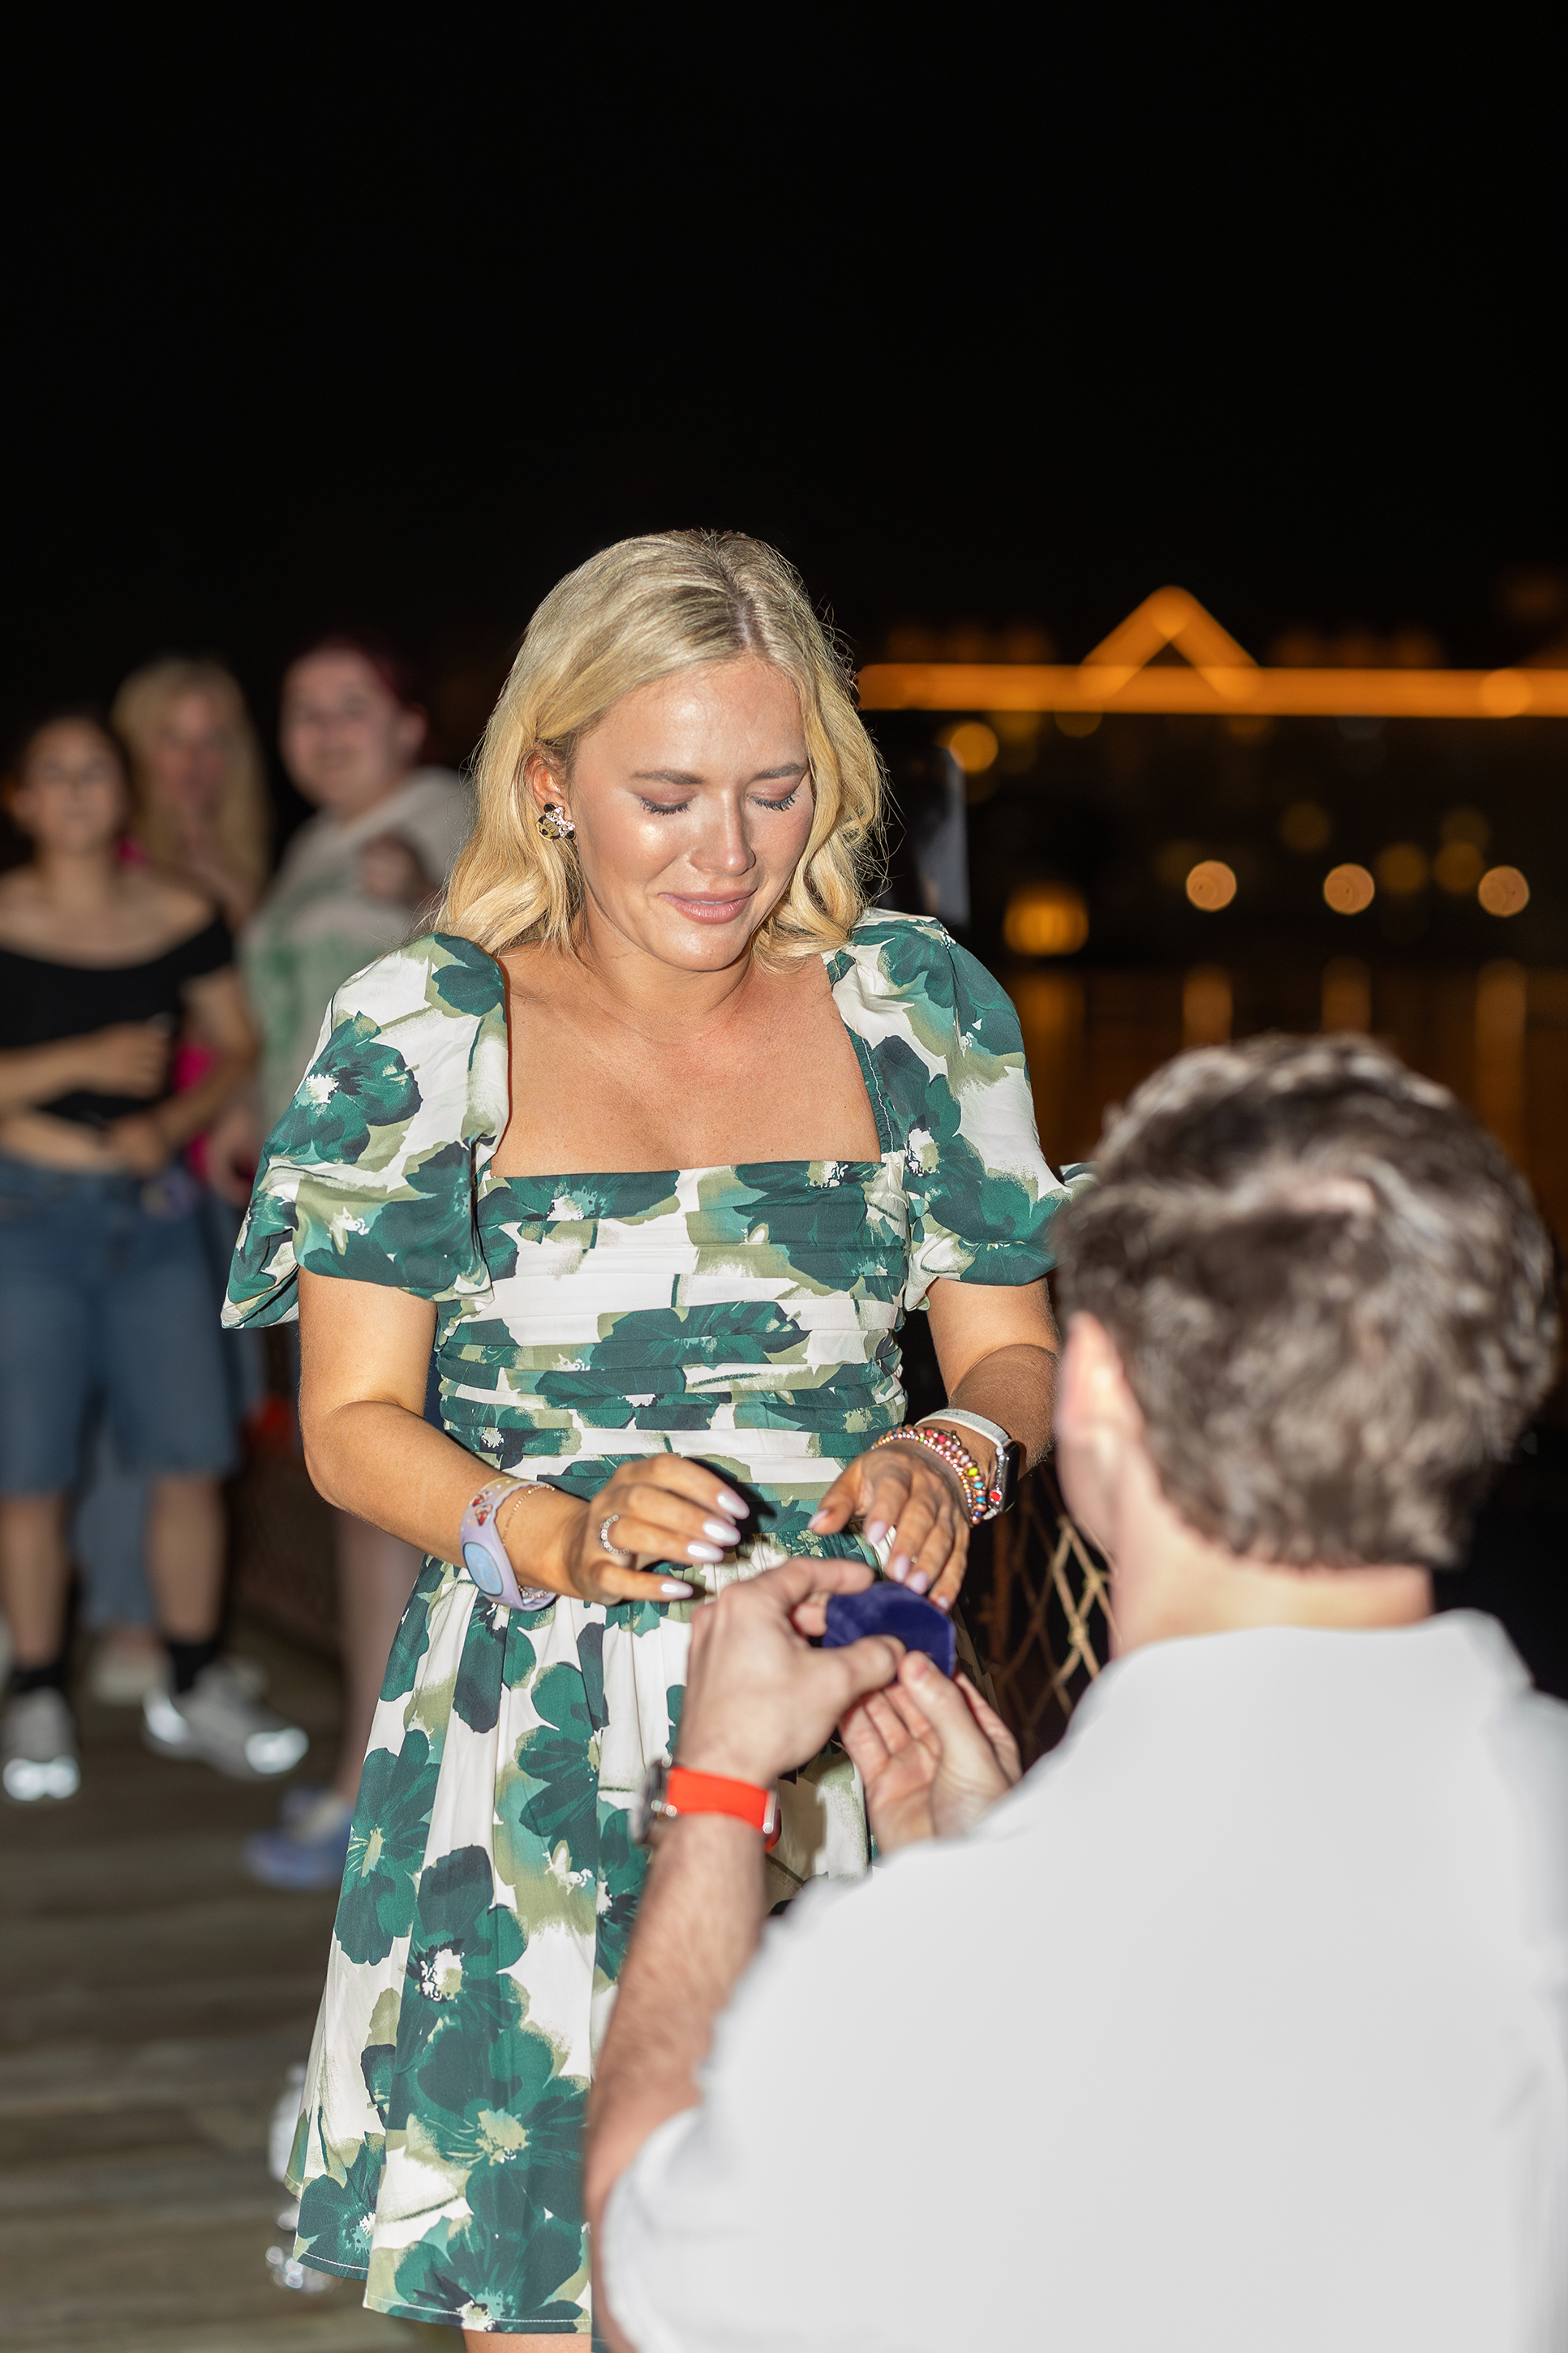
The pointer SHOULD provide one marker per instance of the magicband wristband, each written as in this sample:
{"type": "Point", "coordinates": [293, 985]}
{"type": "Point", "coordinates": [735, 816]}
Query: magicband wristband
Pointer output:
{"type": "Point", "coordinates": [485, 1557]}
{"type": "Point", "coordinates": [669, 1791]}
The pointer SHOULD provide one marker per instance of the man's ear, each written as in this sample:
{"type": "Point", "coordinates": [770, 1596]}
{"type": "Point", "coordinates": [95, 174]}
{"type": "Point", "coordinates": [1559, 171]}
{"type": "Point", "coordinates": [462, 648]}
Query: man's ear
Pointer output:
{"type": "Point", "coordinates": [1098, 1426]}
{"type": "Point", "coordinates": [1093, 1387]}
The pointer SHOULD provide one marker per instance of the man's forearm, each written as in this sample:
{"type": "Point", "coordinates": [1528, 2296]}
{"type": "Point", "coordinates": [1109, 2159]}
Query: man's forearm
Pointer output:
{"type": "Point", "coordinates": [698, 1927]}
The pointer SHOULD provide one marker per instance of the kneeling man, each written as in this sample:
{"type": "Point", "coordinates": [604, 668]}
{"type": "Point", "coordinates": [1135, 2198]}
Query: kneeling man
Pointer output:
{"type": "Point", "coordinates": [1241, 2022]}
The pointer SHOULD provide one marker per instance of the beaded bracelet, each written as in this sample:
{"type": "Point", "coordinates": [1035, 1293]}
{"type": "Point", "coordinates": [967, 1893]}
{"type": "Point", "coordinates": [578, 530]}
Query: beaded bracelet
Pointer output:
{"type": "Point", "coordinates": [956, 1455]}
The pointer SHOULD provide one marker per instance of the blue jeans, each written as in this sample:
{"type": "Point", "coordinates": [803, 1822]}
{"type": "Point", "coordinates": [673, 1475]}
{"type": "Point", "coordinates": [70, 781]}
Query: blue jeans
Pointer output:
{"type": "Point", "coordinates": [104, 1302]}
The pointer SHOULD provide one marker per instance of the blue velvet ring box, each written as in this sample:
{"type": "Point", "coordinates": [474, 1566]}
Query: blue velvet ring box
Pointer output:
{"type": "Point", "coordinates": [887, 1608]}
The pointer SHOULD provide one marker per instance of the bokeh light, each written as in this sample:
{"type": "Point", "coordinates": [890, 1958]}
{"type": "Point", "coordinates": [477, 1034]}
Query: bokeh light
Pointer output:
{"type": "Point", "coordinates": [1465, 825]}
{"type": "Point", "coordinates": [1403, 868]}
{"type": "Point", "coordinates": [1349, 888]}
{"type": "Point", "coordinates": [1211, 885]}
{"type": "Point", "coordinates": [1457, 868]}
{"type": "Point", "coordinates": [1305, 825]}
{"type": "Point", "coordinates": [972, 744]}
{"type": "Point", "coordinates": [1503, 891]}
{"type": "Point", "coordinates": [1207, 1006]}
{"type": "Point", "coordinates": [1046, 919]}
{"type": "Point", "coordinates": [1077, 722]}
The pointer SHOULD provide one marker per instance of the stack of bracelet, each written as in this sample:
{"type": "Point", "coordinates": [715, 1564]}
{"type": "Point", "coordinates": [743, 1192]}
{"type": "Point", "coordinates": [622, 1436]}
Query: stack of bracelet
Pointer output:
{"type": "Point", "coordinates": [984, 1502]}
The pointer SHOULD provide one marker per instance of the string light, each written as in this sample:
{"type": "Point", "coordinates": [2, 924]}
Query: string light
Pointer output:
{"type": "Point", "coordinates": [1503, 891]}
{"type": "Point", "coordinates": [1349, 890]}
{"type": "Point", "coordinates": [1211, 885]}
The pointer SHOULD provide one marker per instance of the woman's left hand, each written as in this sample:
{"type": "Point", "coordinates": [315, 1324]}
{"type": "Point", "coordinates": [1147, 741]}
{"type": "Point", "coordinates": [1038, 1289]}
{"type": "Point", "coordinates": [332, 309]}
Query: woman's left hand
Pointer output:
{"type": "Point", "coordinates": [906, 1492]}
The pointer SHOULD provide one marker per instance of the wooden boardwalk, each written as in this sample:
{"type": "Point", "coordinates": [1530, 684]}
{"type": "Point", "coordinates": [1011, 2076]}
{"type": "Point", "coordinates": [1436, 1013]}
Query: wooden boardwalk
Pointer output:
{"type": "Point", "coordinates": [151, 2000]}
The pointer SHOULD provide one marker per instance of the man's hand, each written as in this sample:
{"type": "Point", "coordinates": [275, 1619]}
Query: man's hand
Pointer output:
{"type": "Point", "coordinates": [759, 1700]}
{"type": "Point", "coordinates": [934, 1757]}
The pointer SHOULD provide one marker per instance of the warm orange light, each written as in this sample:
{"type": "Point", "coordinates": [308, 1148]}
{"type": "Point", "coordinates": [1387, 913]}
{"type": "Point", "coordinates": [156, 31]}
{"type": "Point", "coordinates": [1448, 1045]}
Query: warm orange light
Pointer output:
{"type": "Point", "coordinates": [972, 744]}
{"type": "Point", "coordinates": [1347, 994]}
{"type": "Point", "coordinates": [1208, 1007]}
{"type": "Point", "coordinates": [1349, 888]}
{"type": "Point", "coordinates": [1211, 886]}
{"type": "Point", "coordinates": [1305, 825]}
{"type": "Point", "coordinates": [1503, 891]}
{"type": "Point", "coordinates": [1216, 676]}
{"type": "Point", "coordinates": [1077, 722]}
{"type": "Point", "coordinates": [1403, 868]}
{"type": "Point", "coordinates": [1457, 868]}
{"type": "Point", "coordinates": [1046, 919]}
{"type": "Point", "coordinates": [1465, 825]}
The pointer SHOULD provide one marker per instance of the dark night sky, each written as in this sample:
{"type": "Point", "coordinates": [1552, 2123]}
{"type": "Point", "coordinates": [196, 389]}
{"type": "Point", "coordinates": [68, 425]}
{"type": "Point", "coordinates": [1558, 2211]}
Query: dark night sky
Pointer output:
{"type": "Point", "coordinates": [1007, 330]}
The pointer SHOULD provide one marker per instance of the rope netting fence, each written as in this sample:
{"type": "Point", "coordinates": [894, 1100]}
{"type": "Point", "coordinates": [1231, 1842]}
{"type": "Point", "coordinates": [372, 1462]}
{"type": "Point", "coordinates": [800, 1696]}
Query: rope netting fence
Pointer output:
{"type": "Point", "coordinates": [1037, 1606]}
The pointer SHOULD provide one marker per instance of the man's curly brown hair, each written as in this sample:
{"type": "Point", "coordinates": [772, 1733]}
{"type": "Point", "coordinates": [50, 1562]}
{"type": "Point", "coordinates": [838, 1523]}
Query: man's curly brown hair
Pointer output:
{"type": "Point", "coordinates": [1332, 1293]}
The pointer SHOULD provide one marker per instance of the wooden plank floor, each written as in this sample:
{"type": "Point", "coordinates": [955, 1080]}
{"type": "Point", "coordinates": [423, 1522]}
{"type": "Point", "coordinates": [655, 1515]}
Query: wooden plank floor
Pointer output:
{"type": "Point", "coordinates": [150, 1999]}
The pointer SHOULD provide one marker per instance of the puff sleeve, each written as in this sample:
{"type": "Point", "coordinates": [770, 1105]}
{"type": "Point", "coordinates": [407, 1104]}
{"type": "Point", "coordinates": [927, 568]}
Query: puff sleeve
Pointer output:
{"type": "Point", "coordinates": [943, 1058]}
{"type": "Point", "coordinates": [372, 1172]}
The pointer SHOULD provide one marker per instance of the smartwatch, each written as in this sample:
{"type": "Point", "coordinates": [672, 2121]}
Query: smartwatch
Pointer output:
{"type": "Point", "coordinates": [1009, 1453]}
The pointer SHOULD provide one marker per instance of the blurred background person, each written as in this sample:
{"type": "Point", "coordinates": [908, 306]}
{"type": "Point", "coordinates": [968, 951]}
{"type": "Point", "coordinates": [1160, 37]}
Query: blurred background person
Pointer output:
{"type": "Point", "coordinates": [200, 780]}
{"type": "Point", "coordinates": [350, 886]}
{"type": "Point", "coordinates": [105, 1291]}
{"type": "Point", "coordinates": [202, 812]}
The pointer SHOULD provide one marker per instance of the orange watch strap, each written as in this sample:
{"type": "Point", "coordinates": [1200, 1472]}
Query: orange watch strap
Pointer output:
{"type": "Point", "coordinates": [714, 1793]}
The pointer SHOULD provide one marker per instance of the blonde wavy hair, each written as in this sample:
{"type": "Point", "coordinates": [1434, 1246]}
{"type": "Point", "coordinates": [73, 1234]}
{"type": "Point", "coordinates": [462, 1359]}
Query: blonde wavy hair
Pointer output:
{"type": "Point", "coordinates": [244, 827]}
{"type": "Point", "coordinates": [637, 612]}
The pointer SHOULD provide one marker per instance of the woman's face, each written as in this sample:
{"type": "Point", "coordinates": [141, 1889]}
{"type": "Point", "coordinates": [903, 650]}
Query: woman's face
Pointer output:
{"type": "Point", "coordinates": [188, 757]}
{"type": "Point", "coordinates": [693, 805]}
{"type": "Point", "coordinates": [70, 798]}
{"type": "Point", "coordinates": [346, 741]}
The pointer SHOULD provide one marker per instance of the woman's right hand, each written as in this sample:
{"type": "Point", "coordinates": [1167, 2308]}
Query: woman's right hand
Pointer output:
{"type": "Point", "coordinates": [129, 1057]}
{"type": "Point", "coordinates": [664, 1509]}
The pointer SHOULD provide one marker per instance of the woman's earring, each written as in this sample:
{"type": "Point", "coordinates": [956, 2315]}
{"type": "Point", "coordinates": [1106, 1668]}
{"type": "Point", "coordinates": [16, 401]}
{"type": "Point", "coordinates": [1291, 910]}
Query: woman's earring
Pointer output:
{"type": "Point", "coordinates": [556, 825]}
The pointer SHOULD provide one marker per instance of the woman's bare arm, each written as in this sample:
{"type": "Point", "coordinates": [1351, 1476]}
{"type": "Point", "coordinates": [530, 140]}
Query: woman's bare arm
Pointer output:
{"type": "Point", "coordinates": [997, 1349]}
{"type": "Point", "coordinates": [129, 1057]}
{"type": "Point", "coordinates": [365, 1352]}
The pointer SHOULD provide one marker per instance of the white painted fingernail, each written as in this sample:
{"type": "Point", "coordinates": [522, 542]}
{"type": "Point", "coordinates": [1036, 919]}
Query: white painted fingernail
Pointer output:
{"type": "Point", "coordinates": [730, 1504]}
{"type": "Point", "coordinates": [676, 1588]}
{"type": "Point", "coordinates": [703, 1552]}
{"type": "Point", "coordinates": [722, 1533]}
{"type": "Point", "coordinates": [874, 1531]}
{"type": "Point", "coordinates": [919, 1581]}
{"type": "Point", "coordinates": [815, 1523]}
{"type": "Point", "coordinates": [900, 1568]}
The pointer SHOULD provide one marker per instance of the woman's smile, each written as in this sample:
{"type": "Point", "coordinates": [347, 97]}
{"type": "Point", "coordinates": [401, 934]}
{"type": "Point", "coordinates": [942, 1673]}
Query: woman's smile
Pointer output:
{"type": "Point", "coordinates": [706, 909]}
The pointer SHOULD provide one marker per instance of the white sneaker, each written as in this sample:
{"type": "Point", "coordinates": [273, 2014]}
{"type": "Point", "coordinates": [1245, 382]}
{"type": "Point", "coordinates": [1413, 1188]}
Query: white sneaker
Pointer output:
{"type": "Point", "coordinates": [222, 1722]}
{"type": "Point", "coordinates": [38, 1741]}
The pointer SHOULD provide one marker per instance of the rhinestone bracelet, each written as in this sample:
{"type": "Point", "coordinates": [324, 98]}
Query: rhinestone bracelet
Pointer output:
{"type": "Point", "coordinates": [956, 1455]}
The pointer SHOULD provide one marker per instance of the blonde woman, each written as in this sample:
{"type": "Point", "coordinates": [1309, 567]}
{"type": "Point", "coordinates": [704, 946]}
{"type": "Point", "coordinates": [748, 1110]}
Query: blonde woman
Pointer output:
{"type": "Point", "coordinates": [203, 808]}
{"type": "Point", "coordinates": [656, 1138]}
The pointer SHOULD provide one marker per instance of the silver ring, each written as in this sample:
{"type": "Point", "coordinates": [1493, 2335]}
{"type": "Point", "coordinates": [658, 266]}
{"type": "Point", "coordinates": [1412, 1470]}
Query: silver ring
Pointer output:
{"type": "Point", "coordinates": [622, 1559]}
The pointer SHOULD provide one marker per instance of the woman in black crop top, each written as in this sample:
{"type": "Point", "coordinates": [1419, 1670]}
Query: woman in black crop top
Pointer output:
{"type": "Point", "coordinates": [103, 1290]}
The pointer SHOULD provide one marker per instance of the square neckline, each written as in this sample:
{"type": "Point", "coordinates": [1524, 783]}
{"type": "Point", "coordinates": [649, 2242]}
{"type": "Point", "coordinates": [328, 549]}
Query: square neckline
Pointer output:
{"type": "Point", "coordinates": [840, 956]}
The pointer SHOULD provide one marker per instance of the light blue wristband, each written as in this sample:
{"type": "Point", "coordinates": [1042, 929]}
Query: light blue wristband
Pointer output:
{"type": "Point", "coordinates": [485, 1556]}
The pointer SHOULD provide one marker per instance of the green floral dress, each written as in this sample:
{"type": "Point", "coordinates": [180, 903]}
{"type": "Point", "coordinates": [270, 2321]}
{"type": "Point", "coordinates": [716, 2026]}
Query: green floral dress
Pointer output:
{"type": "Point", "coordinates": [748, 1315]}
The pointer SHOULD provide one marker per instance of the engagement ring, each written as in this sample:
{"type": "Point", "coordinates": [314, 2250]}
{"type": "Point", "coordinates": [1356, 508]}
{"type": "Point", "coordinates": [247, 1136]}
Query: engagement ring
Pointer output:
{"type": "Point", "coordinates": [622, 1559]}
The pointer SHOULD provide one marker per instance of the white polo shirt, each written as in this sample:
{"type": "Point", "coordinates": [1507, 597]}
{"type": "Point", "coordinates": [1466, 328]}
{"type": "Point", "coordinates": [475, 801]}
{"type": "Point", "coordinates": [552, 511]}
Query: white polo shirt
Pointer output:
{"type": "Point", "coordinates": [1242, 2025]}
